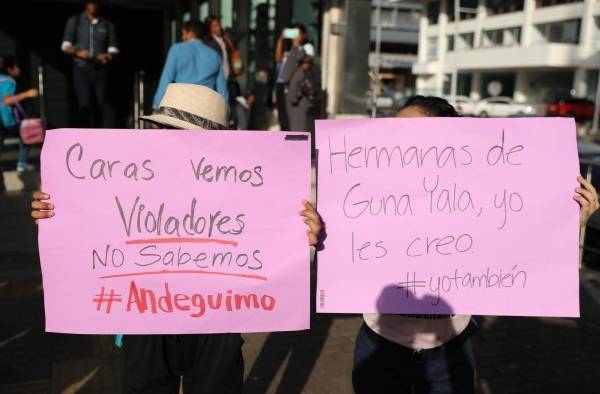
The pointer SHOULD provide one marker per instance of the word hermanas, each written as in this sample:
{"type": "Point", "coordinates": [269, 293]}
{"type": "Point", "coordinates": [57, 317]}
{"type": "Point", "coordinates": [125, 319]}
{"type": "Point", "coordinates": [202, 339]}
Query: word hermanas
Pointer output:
{"type": "Point", "coordinates": [389, 156]}
{"type": "Point", "coordinates": [144, 300]}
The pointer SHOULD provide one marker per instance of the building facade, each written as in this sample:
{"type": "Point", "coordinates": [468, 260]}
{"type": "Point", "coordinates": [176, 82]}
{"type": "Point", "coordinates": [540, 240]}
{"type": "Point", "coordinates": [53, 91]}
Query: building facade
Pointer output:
{"type": "Point", "coordinates": [349, 51]}
{"type": "Point", "coordinates": [399, 42]}
{"type": "Point", "coordinates": [531, 50]}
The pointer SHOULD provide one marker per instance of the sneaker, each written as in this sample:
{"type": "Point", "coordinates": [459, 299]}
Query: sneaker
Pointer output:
{"type": "Point", "coordinates": [22, 167]}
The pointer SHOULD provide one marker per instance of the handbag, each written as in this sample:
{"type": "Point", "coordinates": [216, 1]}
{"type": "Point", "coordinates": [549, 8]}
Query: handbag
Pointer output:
{"type": "Point", "coordinates": [237, 66]}
{"type": "Point", "coordinates": [32, 129]}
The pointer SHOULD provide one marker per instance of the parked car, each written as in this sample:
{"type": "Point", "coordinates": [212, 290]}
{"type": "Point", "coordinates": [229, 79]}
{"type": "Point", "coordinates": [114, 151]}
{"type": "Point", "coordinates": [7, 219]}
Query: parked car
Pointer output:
{"type": "Point", "coordinates": [502, 106]}
{"type": "Point", "coordinates": [464, 105]}
{"type": "Point", "coordinates": [578, 108]}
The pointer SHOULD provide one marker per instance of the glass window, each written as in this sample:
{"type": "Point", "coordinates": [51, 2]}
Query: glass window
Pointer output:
{"type": "Point", "coordinates": [226, 13]}
{"type": "Point", "coordinates": [464, 5]}
{"type": "Point", "coordinates": [432, 48]}
{"type": "Point", "coordinates": [387, 17]}
{"type": "Point", "coordinates": [502, 37]}
{"type": "Point", "coordinates": [504, 6]}
{"type": "Point", "coordinates": [203, 10]}
{"type": "Point", "coordinates": [597, 33]}
{"type": "Point", "coordinates": [447, 84]}
{"type": "Point", "coordinates": [466, 41]}
{"type": "Point", "coordinates": [512, 36]}
{"type": "Point", "coordinates": [450, 45]}
{"type": "Point", "coordinates": [433, 12]}
{"type": "Point", "coordinates": [560, 32]}
{"type": "Point", "coordinates": [493, 38]}
{"type": "Point", "coordinates": [463, 86]}
{"type": "Point", "coordinates": [546, 3]}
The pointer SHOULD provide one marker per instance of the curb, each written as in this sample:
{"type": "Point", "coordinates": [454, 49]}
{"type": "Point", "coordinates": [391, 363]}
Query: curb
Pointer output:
{"type": "Point", "coordinates": [13, 181]}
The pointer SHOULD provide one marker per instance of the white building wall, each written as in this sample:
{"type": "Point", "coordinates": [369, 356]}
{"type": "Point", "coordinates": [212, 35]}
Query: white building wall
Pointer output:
{"type": "Point", "coordinates": [331, 55]}
{"type": "Point", "coordinates": [532, 53]}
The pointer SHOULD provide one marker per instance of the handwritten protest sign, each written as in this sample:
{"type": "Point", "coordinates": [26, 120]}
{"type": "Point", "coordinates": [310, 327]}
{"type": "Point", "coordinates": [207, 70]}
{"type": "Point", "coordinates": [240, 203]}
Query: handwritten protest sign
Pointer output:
{"type": "Point", "coordinates": [466, 216]}
{"type": "Point", "coordinates": [175, 231]}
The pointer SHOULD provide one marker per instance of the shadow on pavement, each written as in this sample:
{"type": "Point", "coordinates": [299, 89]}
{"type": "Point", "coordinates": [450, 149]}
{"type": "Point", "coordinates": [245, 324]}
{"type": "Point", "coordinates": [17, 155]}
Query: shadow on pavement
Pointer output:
{"type": "Point", "coordinates": [517, 355]}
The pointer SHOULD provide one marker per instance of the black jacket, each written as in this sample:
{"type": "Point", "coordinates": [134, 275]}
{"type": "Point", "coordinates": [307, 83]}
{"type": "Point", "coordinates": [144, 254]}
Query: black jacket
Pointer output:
{"type": "Point", "coordinates": [99, 37]}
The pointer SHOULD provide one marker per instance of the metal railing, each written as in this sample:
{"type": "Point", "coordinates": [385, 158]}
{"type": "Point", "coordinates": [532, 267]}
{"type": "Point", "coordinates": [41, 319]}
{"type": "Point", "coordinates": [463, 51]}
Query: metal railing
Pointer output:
{"type": "Point", "coordinates": [589, 167]}
{"type": "Point", "coordinates": [138, 99]}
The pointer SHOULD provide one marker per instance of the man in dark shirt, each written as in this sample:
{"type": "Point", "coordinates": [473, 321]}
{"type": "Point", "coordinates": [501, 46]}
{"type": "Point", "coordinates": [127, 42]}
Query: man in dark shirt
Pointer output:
{"type": "Point", "coordinates": [92, 41]}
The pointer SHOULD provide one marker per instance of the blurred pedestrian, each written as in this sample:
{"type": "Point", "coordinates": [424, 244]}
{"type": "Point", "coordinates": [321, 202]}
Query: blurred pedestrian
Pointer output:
{"type": "Point", "coordinates": [217, 39]}
{"type": "Point", "coordinates": [282, 49]}
{"type": "Point", "coordinates": [92, 42]}
{"type": "Point", "coordinates": [202, 363]}
{"type": "Point", "coordinates": [10, 115]}
{"type": "Point", "coordinates": [300, 80]}
{"type": "Point", "coordinates": [193, 62]}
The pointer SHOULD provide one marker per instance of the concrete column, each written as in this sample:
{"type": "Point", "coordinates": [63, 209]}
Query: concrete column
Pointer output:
{"type": "Point", "coordinates": [423, 25]}
{"type": "Point", "coordinates": [355, 62]}
{"type": "Point", "coordinates": [586, 35]}
{"type": "Point", "coordinates": [580, 82]}
{"type": "Point", "coordinates": [481, 14]}
{"type": "Point", "coordinates": [476, 86]}
{"type": "Point", "coordinates": [442, 44]}
{"type": "Point", "coordinates": [521, 87]}
{"type": "Point", "coordinates": [331, 54]}
{"type": "Point", "coordinates": [527, 30]}
{"type": "Point", "coordinates": [421, 85]}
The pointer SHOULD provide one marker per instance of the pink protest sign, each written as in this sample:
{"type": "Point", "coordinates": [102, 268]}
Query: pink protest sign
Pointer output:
{"type": "Point", "coordinates": [465, 216]}
{"type": "Point", "coordinates": [175, 232]}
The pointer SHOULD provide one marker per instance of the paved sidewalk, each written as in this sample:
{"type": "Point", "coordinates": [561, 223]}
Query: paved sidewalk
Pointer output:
{"type": "Point", "coordinates": [514, 355]}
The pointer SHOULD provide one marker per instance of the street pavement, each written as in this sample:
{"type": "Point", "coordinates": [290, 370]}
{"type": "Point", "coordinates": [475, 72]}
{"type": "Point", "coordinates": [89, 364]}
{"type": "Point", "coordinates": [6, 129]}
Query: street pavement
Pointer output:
{"type": "Point", "coordinates": [513, 355]}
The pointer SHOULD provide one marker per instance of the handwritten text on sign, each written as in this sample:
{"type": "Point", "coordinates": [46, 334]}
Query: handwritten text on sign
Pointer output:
{"type": "Point", "coordinates": [175, 232]}
{"type": "Point", "coordinates": [468, 216]}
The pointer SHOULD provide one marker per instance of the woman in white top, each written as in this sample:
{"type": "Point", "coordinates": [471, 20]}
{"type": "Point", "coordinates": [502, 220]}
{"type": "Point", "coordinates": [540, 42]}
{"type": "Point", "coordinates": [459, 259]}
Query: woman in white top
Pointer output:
{"type": "Point", "coordinates": [426, 354]}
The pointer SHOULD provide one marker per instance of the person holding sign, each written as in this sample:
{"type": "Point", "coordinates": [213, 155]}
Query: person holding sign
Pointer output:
{"type": "Point", "coordinates": [427, 353]}
{"type": "Point", "coordinates": [203, 363]}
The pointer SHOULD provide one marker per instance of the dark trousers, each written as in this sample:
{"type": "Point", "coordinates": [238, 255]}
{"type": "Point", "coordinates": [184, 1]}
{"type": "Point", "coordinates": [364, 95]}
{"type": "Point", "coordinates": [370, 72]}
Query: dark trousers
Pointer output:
{"type": "Point", "coordinates": [282, 115]}
{"type": "Point", "coordinates": [90, 90]}
{"type": "Point", "coordinates": [205, 364]}
{"type": "Point", "coordinates": [23, 149]}
{"type": "Point", "coordinates": [384, 367]}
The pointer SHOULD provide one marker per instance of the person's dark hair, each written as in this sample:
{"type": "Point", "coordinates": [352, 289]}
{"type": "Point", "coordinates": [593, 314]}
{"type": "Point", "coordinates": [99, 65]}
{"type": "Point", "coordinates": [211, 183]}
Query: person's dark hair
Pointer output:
{"type": "Point", "coordinates": [97, 2]}
{"type": "Point", "coordinates": [302, 29]}
{"type": "Point", "coordinates": [6, 62]}
{"type": "Point", "coordinates": [194, 26]}
{"type": "Point", "coordinates": [432, 106]}
{"type": "Point", "coordinates": [208, 23]}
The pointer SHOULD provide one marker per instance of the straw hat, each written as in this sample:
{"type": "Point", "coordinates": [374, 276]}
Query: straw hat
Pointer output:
{"type": "Point", "coordinates": [190, 107]}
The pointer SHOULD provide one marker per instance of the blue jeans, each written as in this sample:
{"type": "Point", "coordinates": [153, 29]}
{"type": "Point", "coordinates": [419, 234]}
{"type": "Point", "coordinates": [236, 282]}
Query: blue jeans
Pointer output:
{"type": "Point", "coordinates": [23, 149]}
{"type": "Point", "coordinates": [384, 367]}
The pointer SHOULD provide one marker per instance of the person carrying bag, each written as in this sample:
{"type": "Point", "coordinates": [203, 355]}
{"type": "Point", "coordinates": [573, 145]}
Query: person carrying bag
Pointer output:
{"type": "Point", "coordinates": [10, 122]}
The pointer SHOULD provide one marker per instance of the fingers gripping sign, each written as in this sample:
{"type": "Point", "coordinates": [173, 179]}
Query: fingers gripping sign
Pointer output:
{"type": "Point", "coordinates": [313, 221]}
{"type": "Point", "coordinates": [41, 209]}
{"type": "Point", "coordinates": [587, 197]}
